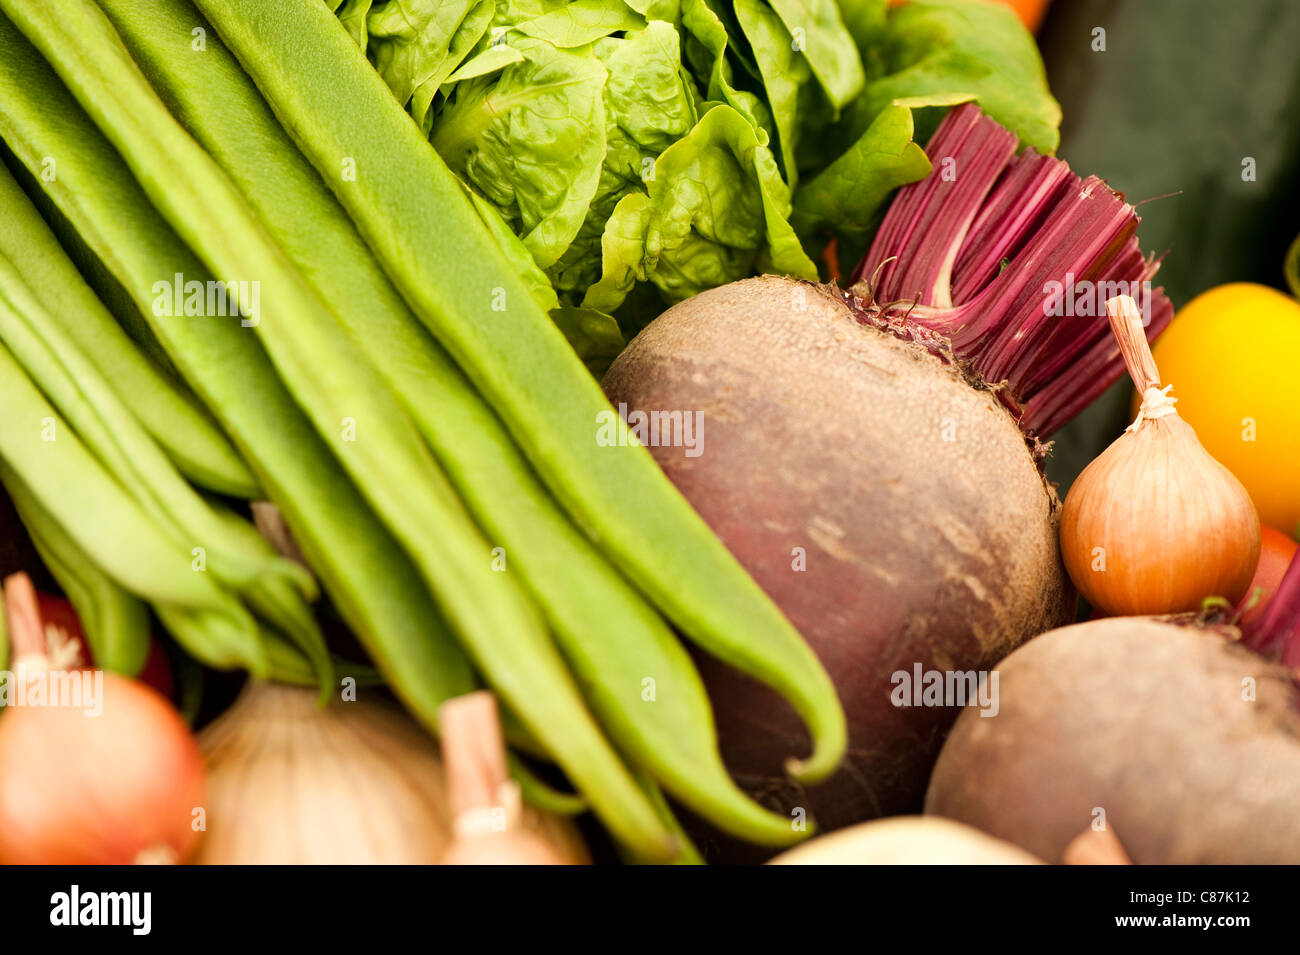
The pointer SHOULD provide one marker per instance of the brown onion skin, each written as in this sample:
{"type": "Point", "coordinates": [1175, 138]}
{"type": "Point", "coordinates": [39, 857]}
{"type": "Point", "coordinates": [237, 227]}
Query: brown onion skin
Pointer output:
{"type": "Point", "coordinates": [825, 433]}
{"type": "Point", "coordinates": [1146, 720]}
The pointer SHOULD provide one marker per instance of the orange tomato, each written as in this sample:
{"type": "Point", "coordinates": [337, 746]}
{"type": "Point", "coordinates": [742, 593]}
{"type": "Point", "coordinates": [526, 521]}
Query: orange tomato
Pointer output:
{"type": "Point", "coordinates": [1275, 557]}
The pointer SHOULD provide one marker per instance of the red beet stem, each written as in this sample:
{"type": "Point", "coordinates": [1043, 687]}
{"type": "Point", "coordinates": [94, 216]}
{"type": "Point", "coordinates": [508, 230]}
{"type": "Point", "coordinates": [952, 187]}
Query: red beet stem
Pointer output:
{"type": "Point", "coordinates": [1276, 629]}
{"type": "Point", "coordinates": [1013, 258]}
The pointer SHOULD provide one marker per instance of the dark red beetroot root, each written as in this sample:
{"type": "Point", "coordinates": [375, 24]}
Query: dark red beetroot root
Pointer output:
{"type": "Point", "coordinates": [856, 461]}
{"type": "Point", "coordinates": [1188, 743]}
{"type": "Point", "coordinates": [903, 487]}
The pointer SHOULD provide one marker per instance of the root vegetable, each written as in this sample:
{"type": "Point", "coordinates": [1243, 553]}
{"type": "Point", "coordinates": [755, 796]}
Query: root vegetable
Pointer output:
{"type": "Point", "coordinates": [1155, 525]}
{"type": "Point", "coordinates": [907, 840]}
{"type": "Point", "coordinates": [826, 469]}
{"type": "Point", "coordinates": [103, 773]}
{"type": "Point", "coordinates": [1184, 742]}
{"type": "Point", "coordinates": [872, 456]}
{"type": "Point", "coordinates": [354, 783]}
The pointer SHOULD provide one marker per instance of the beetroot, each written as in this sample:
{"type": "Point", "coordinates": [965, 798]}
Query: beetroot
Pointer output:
{"type": "Point", "coordinates": [891, 509]}
{"type": "Point", "coordinates": [872, 456]}
{"type": "Point", "coordinates": [1182, 741]}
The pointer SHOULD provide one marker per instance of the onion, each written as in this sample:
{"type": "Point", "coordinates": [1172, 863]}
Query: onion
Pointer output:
{"type": "Point", "coordinates": [112, 776]}
{"type": "Point", "coordinates": [353, 783]}
{"type": "Point", "coordinates": [485, 803]}
{"type": "Point", "coordinates": [1155, 525]}
{"type": "Point", "coordinates": [907, 840]}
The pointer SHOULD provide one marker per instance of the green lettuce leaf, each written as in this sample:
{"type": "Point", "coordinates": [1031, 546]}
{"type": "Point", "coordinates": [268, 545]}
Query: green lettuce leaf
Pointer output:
{"type": "Point", "coordinates": [787, 77]}
{"type": "Point", "coordinates": [416, 44]}
{"type": "Point", "coordinates": [352, 14]}
{"type": "Point", "coordinates": [847, 194]}
{"type": "Point", "coordinates": [531, 138]}
{"type": "Point", "coordinates": [582, 22]}
{"type": "Point", "coordinates": [934, 47]}
{"type": "Point", "coordinates": [821, 35]}
{"type": "Point", "coordinates": [715, 210]}
{"type": "Point", "coordinates": [708, 43]}
{"type": "Point", "coordinates": [649, 104]}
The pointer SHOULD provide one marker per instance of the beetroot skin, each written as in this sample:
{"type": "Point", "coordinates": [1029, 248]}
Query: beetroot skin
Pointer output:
{"type": "Point", "coordinates": [882, 496]}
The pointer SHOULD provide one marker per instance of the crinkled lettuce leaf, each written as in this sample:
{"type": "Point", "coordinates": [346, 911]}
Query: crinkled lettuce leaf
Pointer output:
{"type": "Point", "coordinates": [715, 210]}
{"type": "Point", "coordinates": [635, 152]}
{"type": "Point", "coordinates": [531, 139]}
{"type": "Point", "coordinates": [649, 105]}
{"type": "Point", "coordinates": [416, 44]}
{"type": "Point", "coordinates": [582, 22]}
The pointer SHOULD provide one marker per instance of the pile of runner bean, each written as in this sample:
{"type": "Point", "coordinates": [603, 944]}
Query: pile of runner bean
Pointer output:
{"type": "Point", "coordinates": [393, 386]}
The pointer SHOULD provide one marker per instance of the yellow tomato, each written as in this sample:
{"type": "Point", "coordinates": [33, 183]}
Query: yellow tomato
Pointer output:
{"type": "Point", "coordinates": [1233, 357]}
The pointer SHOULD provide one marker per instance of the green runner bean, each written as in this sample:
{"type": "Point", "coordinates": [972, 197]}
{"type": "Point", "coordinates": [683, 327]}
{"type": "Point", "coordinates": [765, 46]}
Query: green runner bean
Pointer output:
{"type": "Point", "coordinates": [170, 413]}
{"type": "Point", "coordinates": [232, 550]}
{"type": "Point", "coordinates": [115, 621]}
{"type": "Point", "coordinates": [375, 588]}
{"type": "Point", "coordinates": [613, 640]}
{"type": "Point", "coordinates": [413, 213]}
{"type": "Point", "coordinates": [493, 616]}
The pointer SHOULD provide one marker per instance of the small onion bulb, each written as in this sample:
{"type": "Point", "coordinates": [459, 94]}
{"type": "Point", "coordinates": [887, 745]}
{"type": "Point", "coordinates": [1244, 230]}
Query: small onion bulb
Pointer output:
{"type": "Point", "coordinates": [1155, 525]}
{"type": "Point", "coordinates": [98, 770]}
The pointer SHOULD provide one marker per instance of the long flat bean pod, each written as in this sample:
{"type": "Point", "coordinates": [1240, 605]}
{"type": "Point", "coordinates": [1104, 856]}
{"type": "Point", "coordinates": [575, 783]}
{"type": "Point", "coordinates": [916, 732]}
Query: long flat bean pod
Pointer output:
{"type": "Point", "coordinates": [115, 621]}
{"type": "Point", "coordinates": [170, 413]}
{"type": "Point", "coordinates": [39, 449]}
{"type": "Point", "coordinates": [614, 641]}
{"type": "Point", "coordinates": [412, 212]}
{"type": "Point", "coordinates": [494, 617]}
{"type": "Point", "coordinates": [376, 589]}
{"type": "Point", "coordinates": [233, 551]}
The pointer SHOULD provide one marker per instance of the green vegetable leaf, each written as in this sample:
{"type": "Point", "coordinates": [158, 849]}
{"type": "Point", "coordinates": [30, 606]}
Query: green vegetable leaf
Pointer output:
{"type": "Point", "coordinates": [847, 194]}
{"type": "Point", "coordinates": [786, 76]}
{"type": "Point", "coordinates": [416, 44]}
{"type": "Point", "coordinates": [582, 22]}
{"type": "Point", "coordinates": [492, 60]}
{"type": "Point", "coordinates": [956, 47]}
{"type": "Point", "coordinates": [352, 14]}
{"type": "Point", "coordinates": [865, 21]}
{"type": "Point", "coordinates": [594, 335]}
{"type": "Point", "coordinates": [709, 33]}
{"type": "Point", "coordinates": [532, 140]}
{"type": "Point", "coordinates": [817, 31]}
{"type": "Point", "coordinates": [715, 210]}
{"type": "Point", "coordinates": [649, 104]}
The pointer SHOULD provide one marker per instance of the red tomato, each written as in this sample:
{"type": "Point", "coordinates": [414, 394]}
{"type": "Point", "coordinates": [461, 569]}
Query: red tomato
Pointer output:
{"type": "Point", "coordinates": [59, 612]}
{"type": "Point", "coordinates": [1275, 556]}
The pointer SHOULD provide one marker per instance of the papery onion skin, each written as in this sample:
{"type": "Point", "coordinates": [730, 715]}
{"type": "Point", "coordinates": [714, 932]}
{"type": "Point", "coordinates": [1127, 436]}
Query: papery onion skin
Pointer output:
{"type": "Point", "coordinates": [355, 783]}
{"type": "Point", "coordinates": [112, 789]}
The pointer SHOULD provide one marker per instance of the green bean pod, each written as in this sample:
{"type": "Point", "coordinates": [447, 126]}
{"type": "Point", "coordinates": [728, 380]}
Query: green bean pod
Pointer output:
{"type": "Point", "coordinates": [496, 621]}
{"type": "Point", "coordinates": [617, 645]}
{"type": "Point", "coordinates": [412, 212]}
{"type": "Point", "coordinates": [39, 449]}
{"type": "Point", "coordinates": [170, 413]}
{"type": "Point", "coordinates": [115, 621]}
{"type": "Point", "coordinates": [232, 550]}
{"type": "Point", "coordinates": [373, 585]}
